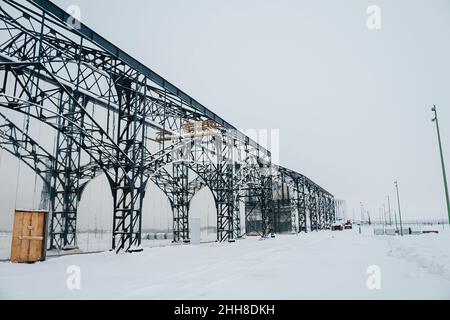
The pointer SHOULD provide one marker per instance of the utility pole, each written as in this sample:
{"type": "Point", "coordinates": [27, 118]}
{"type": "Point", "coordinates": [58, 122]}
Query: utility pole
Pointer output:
{"type": "Point", "coordinates": [389, 214]}
{"type": "Point", "coordinates": [382, 220]}
{"type": "Point", "coordinates": [444, 175]}
{"type": "Point", "coordinates": [362, 212]}
{"type": "Point", "coordinates": [399, 211]}
{"type": "Point", "coordinates": [395, 214]}
{"type": "Point", "coordinates": [360, 223]}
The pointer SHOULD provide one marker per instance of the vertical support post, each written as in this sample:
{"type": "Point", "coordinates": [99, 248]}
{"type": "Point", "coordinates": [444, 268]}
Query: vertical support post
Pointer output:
{"type": "Point", "coordinates": [332, 212]}
{"type": "Point", "coordinates": [301, 205]}
{"type": "Point", "coordinates": [237, 218]}
{"type": "Point", "coordinates": [313, 209]}
{"type": "Point", "coordinates": [64, 195]}
{"type": "Point", "coordinates": [223, 188]}
{"type": "Point", "coordinates": [320, 211]}
{"type": "Point", "coordinates": [127, 184]}
{"type": "Point", "coordinates": [267, 203]}
{"type": "Point", "coordinates": [66, 177]}
{"type": "Point", "coordinates": [180, 204]}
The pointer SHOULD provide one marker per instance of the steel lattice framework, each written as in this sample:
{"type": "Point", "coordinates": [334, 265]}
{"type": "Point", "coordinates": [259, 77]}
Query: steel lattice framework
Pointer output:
{"type": "Point", "coordinates": [112, 115]}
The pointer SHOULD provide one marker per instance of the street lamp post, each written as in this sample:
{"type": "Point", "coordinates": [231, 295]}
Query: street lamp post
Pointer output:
{"type": "Point", "coordinates": [435, 119]}
{"type": "Point", "coordinates": [399, 211]}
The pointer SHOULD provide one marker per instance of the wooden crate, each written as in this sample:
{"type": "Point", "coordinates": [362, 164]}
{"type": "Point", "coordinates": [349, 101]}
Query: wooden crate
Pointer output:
{"type": "Point", "coordinates": [29, 236]}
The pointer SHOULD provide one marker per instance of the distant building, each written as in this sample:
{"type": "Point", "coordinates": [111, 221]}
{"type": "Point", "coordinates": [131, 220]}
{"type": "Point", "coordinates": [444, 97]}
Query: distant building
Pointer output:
{"type": "Point", "coordinates": [341, 209]}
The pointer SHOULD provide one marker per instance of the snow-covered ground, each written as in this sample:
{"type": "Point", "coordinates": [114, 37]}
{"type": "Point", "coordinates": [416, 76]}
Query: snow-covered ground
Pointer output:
{"type": "Point", "coordinates": [101, 241]}
{"type": "Point", "coordinates": [321, 265]}
{"type": "Point", "coordinates": [87, 242]}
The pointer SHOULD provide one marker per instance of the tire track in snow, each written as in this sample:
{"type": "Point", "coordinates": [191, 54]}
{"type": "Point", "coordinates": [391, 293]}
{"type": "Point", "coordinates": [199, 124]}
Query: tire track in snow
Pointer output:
{"type": "Point", "coordinates": [411, 254]}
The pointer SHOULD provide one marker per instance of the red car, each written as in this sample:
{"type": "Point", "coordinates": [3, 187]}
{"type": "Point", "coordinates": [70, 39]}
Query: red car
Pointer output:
{"type": "Point", "coordinates": [348, 225]}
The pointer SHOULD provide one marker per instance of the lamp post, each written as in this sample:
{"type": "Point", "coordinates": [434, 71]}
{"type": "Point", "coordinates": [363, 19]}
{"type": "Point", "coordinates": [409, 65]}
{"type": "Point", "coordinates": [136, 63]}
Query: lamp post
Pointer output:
{"type": "Point", "coordinates": [435, 119]}
{"type": "Point", "coordinates": [399, 211]}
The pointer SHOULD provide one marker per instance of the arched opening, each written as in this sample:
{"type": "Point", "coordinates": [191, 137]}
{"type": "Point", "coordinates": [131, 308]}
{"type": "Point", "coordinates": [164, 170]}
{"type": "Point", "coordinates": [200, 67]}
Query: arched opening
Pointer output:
{"type": "Point", "coordinates": [157, 217]}
{"type": "Point", "coordinates": [203, 207]}
{"type": "Point", "coordinates": [94, 218]}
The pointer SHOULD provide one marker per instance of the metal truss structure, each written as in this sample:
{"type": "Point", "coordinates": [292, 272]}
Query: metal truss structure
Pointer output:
{"type": "Point", "coordinates": [112, 115]}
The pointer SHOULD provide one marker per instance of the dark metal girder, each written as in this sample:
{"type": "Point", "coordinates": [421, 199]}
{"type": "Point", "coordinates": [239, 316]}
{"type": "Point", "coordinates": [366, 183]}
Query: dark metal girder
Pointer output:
{"type": "Point", "coordinates": [125, 158]}
{"type": "Point", "coordinates": [91, 35]}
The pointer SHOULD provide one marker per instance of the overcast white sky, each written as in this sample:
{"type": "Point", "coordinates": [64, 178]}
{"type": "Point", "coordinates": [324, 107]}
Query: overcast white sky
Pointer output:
{"type": "Point", "coordinates": [352, 104]}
